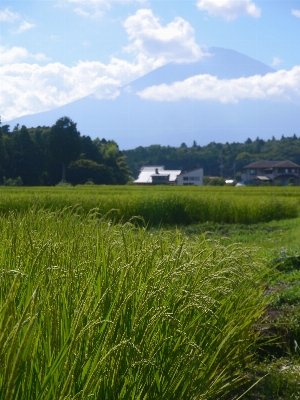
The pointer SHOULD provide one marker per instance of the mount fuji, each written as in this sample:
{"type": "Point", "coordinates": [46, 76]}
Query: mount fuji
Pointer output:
{"type": "Point", "coordinates": [133, 121]}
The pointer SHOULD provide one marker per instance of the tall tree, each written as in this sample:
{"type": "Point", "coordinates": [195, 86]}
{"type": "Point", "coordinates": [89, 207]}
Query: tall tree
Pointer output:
{"type": "Point", "coordinates": [64, 143]}
{"type": "Point", "coordinates": [24, 156]}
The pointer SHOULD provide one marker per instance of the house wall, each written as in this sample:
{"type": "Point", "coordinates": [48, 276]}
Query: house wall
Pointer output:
{"type": "Point", "coordinates": [275, 174]}
{"type": "Point", "coordinates": [250, 174]}
{"type": "Point", "coordinates": [191, 178]}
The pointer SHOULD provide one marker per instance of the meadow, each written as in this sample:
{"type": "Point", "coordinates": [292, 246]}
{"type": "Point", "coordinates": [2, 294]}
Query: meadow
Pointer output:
{"type": "Point", "coordinates": [122, 292]}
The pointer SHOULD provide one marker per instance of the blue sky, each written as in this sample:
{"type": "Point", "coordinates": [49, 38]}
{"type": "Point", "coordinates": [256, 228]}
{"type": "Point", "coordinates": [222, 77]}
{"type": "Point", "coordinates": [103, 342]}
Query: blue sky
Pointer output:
{"type": "Point", "coordinates": [55, 52]}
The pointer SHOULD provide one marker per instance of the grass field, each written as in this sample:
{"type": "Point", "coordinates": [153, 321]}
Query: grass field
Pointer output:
{"type": "Point", "coordinates": [95, 306]}
{"type": "Point", "coordinates": [161, 205]}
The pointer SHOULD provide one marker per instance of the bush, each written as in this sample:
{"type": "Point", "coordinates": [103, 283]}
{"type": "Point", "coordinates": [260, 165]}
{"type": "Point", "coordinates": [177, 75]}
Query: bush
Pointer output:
{"type": "Point", "coordinates": [13, 182]}
{"type": "Point", "coordinates": [80, 171]}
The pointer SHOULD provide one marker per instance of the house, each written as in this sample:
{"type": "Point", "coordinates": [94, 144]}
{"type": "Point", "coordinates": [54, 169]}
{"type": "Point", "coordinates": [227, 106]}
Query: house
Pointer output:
{"type": "Point", "coordinates": [158, 175]}
{"type": "Point", "coordinates": [193, 177]}
{"type": "Point", "coordinates": [272, 172]}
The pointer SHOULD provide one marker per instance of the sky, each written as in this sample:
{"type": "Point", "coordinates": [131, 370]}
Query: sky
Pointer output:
{"type": "Point", "coordinates": [55, 52]}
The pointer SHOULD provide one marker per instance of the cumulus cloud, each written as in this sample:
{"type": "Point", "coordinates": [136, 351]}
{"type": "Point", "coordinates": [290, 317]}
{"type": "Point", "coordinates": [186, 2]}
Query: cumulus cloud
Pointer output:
{"type": "Point", "coordinates": [296, 13]}
{"type": "Point", "coordinates": [8, 16]}
{"type": "Point", "coordinates": [31, 88]}
{"type": "Point", "coordinates": [276, 61]}
{"type": "Point", "coordinates": [172, 42]}
{"type": "Point", "coordinates": [229, 9]}
{"type": "Point", "coordinates": [280, 86]}
{"type": "Point", "coordinates": [18, 54]}
{"type": "Point", "coordinates": [24, 26]}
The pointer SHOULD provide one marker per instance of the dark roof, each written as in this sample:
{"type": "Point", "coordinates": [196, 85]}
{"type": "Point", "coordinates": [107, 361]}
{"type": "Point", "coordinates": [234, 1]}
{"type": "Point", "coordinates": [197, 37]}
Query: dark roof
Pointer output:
{"type": "Point", "coordinates": [272, 164]}
{"type": "Point", "coordinates": [284, 176]}
{"type": "Point", "coordinates": [154, 175]}
{"type": "Point", "coordinates": [287, 164]}
{"type": "Point", "coordinates": [190, 170]}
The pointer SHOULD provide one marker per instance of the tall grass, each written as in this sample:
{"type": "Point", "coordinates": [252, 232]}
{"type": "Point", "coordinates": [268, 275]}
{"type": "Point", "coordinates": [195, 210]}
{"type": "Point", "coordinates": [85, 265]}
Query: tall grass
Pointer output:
{"type": "Point", "coordinates": [158, 205]}
{"type": "Point", "coordinates": [91, 309]}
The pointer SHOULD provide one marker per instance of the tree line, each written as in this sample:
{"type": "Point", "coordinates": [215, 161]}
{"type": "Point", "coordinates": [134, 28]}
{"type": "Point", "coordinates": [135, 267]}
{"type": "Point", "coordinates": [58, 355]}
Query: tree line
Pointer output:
{"type": "Point", "coordinates": [48, 155]}
{"type": "Point", "coordinates": [217, 159]}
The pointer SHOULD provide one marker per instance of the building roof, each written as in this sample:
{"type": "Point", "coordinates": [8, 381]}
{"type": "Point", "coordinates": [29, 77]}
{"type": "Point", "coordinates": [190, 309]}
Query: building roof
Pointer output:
{"type": "Point", "coordinates": [287, 164]}
{"type": "Point", "coordinates": [272, 164]}
{"type": "Point", "coordinates": [162, 174]}
{"type": "Point", "coordinates": [285, 176]}
{"type": "Point", "coordinates": [261, 178]}
{"type": "Point", "coordinates": [153, 168]}
{"type": "Point", "coordinates": [146, 173]}
{"type": "Point", "coordinates": [190, 170]}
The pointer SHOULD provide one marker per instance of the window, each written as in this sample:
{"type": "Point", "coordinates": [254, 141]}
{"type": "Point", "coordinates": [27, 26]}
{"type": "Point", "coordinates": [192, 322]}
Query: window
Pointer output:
{"type": "Point", "coordinates": [191, 178]}
{"type": "Point", "coordinates": [252, 171]}
{"type": "Point", "coordinates": [283, 170]}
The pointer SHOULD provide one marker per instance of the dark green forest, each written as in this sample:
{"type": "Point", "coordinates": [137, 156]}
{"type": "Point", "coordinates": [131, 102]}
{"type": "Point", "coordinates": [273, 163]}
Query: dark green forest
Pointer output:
{"type": "Point", "coordinates": [49, 155]}
{"type": "Point", "coordinates": [217, 159]}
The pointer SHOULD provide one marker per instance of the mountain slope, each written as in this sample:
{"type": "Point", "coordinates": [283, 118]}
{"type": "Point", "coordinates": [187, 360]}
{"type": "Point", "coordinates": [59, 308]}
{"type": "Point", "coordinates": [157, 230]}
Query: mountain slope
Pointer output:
{"type": "Point", "coordinates": [222, 63]}
{"type": "Point", "coordinates": [132, 121]}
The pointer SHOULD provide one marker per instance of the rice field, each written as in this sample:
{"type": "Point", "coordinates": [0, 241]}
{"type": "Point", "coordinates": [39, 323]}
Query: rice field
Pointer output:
{"type": "Point", "coordinates": [95, 305]}
{"type": "Point", "coordinates": [161, 205]}
{"type": "Point", "coordinates": [92, 309]}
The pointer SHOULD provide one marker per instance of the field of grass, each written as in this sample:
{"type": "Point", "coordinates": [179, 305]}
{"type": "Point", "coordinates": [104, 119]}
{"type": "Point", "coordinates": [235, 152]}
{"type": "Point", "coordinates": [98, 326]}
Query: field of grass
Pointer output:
{"type": "Point", "coordinates": [92, 305]}
{"type": "Point", "coordinates": [161, 205]}
{"type": "Point", "coordinates": [277, 362]}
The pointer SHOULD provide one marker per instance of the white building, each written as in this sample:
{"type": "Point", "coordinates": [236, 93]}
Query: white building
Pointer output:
{"type": "Point", "coordinates": [193, 177]}
{"type": "Point", "coordinates": [158, 175]}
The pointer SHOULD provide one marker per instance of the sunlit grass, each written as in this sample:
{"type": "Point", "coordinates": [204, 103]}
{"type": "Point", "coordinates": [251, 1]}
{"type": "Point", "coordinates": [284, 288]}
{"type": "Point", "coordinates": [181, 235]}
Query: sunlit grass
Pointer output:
{"type": "Point", "coordinates": [160, 205]}
{"type": "Point", "coordinates": [112, 311]}
{"type": "Point", "coordinates": [91, 305]}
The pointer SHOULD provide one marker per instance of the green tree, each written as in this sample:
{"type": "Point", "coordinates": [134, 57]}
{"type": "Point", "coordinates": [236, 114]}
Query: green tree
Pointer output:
{"type": "Point", "coordinates": [24, 157]}
{"type": "Point", "coordinates": [64, 143]}
{"type": "Point", "coordinates": [90, 150]}
{"type": "Point", "coordinates": [82, 171]}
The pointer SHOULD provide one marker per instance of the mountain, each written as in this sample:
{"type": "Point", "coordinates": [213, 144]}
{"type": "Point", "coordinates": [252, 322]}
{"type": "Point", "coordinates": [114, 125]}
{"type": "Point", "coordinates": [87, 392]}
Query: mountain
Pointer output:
{"type": "Point", "coordinates": [132, 121]}
{"type": "Point", "coordinates": [223, 63]}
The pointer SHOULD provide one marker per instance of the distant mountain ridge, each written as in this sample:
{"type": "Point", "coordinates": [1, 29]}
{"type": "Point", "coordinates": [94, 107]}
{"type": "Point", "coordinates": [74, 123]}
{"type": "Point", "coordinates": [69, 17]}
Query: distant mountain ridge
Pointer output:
{"type": "Point", "coordinates": [132, 121]}
{"type": "Point", "coordinates": [222, 63]}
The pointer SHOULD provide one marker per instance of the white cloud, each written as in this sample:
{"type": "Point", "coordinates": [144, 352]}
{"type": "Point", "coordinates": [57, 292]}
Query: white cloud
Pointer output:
{"type": "Point", "coordinates": [276, 61]}
{"type": "Point", "coordinates": [96, 8]}
{"type": "Point", "coordinates": [18, 54]}
{"type": "Point", "coordinates": [8, 16]}
{"type": "Point", "coordinates": [296, 13]}
{"type": "Point", "coordinates": [24, 26]}
{"type": "Point", "coordinates": [31, 88]}
{"type": "Point", "coordinates": [280, 86]}
{"type": "Point", "coordinates": [172, 42]}
{"type": "Point", "coordinates": [229, 9]}
{"type": "Point", "coordinates": [83, 13]}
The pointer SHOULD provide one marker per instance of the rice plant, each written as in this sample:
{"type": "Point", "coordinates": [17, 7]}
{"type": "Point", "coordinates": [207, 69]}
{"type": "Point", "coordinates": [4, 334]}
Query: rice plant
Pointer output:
{"type": "Point", "coordinates": [160, 205]}
{"type": "Point", "coordinates": [92, 309]}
